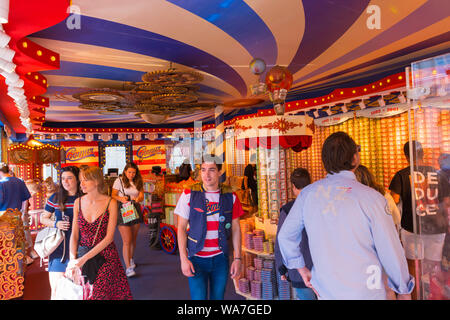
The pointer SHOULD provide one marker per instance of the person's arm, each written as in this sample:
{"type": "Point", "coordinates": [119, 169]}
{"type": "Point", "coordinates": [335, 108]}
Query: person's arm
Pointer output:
{"type": "Point", "coordinates": [115, 196]}
{"type": "Point", "coordinates": [396, 216]}
{"type": "Point", "coordinates": [182, 211]}
{"type": "Point", "coordinates": [73, 244]}
{"type": "Point", "coordinates": [235, 269]}
{"type": "Point", "coordinates": [395, 196]}
{"type": "Point", "coordinates": [290, 238]}
{"type": "Point", "coordinates": [107, 240]}
{"type": "Point", "coordinates": [278, 258]}
{"type": "Point", "coordinates": [388, 247]}
{"type": "Point", "coordinates": [395, 187]}
{"type": "Point", "coordinates": [46, 217]}
{"type": "Point", "coordinates": [140, 196]}
{"type": "Point", "coordinates": [186, 265]}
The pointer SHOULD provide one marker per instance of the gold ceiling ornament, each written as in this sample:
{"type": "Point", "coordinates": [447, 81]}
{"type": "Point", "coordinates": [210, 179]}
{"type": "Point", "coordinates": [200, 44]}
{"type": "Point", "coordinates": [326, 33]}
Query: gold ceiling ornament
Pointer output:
{"type": "Point", "coordinates": [146, 88]}
{"type": "Point", "coordinates": [99, 106]}
{"type": "Point", "coordinates": [113, 112]}
{"type": "Point", "coordinates": [100, 95]}
{"type": "Point", "coordinates": [172, 77]}
{"type": "Point", "coordinates": [165, 93]}
{"type": "Point", "coordinates": [159, 109]}
{"type": "Point", "coordinates": [173, 98]}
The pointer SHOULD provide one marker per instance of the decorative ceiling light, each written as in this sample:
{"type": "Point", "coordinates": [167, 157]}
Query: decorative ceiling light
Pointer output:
{"type": "Point", "coordinates": [279, 81]}
{"type": "Point", "coordinates": [4, 11]}
{"type": "Point", "coordinates": [170, 99]}
{"type": "Point", "coordinates": [153, 118]}
{"type": "Point", "coordinates": [162, 94]}
{"type": "Point", "coordinates": [113, 112]}
{"type": "Point", "coordinates": [257, 67]}
{"type": "Point", "coordinates": [172, 78]}
{"type": "Point", "coordinates": [99, 106]}
{"type": "Point", "coordinates": [100, 96]}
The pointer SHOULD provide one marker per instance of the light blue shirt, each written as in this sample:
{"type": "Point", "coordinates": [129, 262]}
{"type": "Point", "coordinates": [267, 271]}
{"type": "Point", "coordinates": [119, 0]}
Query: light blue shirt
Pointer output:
{"type": "Point", "coordinates": [352, 240]}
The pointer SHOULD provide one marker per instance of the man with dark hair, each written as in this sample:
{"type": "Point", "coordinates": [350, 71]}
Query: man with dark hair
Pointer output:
{"type": "Point", "coordinates": [184, 171]}
{"type": "Point", "coordinates": [14, 194]}
{"type": "Point", "coordinates": [250, 173]}
{"type": "Point", "coordinates": [13, 191]}
{"type": "Point", "coordinates": [425, 241]}
{"type": "Point", "coordinates": [300, 178]}
{"type": "Point", "coordinates": [212, 212]}
{"type": "Point", "coordinates": [352, 238]}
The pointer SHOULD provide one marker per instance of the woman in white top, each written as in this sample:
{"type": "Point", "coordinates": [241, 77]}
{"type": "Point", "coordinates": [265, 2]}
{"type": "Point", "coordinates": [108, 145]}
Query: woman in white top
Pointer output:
{"type": "Point", "coordinates": [129, 187]}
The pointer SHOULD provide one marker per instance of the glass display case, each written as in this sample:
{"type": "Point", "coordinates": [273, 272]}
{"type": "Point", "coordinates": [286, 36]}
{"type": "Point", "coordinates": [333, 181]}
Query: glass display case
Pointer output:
{"type": "Point", "coordinates": [427, 245]}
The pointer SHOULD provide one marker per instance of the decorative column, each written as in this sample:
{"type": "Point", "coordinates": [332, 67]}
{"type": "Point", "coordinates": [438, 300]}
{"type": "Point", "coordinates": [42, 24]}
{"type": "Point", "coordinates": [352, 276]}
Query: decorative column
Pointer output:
{"type": "Point", "coordinates": [220, 139]}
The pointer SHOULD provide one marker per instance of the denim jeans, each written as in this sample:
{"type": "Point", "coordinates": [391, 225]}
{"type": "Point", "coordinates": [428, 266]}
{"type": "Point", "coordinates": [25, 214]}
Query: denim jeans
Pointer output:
{"type": "Point", "coordinates": [305, 294]}
{"type": "Point", "coordinates": [209, 272]}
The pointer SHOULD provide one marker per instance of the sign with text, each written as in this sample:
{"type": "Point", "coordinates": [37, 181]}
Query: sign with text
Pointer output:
{"type": "Point", "coordinates": [147, 154]}
{"type": "Point", "coordinates": [80, 153]}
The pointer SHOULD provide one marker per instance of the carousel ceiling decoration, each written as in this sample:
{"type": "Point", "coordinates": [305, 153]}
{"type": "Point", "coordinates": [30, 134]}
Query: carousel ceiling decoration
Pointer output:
{"type": "Point", "coordinates": [160, 95]}
{"type": "Point", "coordinates": [323, 44]}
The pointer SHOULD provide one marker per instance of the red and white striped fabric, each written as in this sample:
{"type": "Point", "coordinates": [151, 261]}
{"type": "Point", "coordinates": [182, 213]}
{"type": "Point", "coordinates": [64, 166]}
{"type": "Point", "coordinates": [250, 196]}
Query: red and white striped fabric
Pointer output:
{"type": "Point", "coordinates": [211, 245]}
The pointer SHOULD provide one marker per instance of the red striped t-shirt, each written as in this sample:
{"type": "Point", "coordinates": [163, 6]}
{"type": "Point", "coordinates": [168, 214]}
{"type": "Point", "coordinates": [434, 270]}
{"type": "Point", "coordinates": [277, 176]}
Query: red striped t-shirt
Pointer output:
{"type": "Point", "coordinates": [211, 245]}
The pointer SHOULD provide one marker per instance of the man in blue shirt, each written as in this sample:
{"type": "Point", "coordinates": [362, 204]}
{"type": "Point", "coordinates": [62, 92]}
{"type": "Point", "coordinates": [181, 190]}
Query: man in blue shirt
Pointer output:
{"type": "Point", "coordinates": [13, 191]}
{"type": "Point", "coordinates": [352, 238]}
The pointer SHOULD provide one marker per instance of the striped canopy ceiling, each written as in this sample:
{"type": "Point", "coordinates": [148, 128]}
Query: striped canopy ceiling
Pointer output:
{"type": "Point", "coordinates": [324, 43]}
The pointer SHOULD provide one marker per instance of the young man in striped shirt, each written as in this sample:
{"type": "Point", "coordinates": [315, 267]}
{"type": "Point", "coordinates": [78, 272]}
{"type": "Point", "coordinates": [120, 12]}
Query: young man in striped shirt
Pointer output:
{"type": "Point", "coordinates": [208, 215]}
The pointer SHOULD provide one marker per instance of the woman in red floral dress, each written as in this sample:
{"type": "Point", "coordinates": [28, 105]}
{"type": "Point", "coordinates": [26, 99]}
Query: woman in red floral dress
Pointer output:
{"type": "Point", "coordinates": [90, 210]}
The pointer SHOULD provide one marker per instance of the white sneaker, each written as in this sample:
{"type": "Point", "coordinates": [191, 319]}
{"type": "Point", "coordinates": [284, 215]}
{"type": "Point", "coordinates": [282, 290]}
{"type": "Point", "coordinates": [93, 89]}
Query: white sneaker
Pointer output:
{"type": "Point", "coordinates": [130, 272]}
{"type": "Point", "coordinates": [132, 264]}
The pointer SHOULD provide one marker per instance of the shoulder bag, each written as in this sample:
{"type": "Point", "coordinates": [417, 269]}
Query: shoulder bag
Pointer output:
{"type": "Point", "coordinates": [129, 211]}
{"type": "Point", "coordinates": [47, 240]}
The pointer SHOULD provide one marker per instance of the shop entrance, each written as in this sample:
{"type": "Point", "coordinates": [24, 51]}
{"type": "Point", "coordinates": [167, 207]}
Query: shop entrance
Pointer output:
{"type": "Point", "coordinates": [115, 159]}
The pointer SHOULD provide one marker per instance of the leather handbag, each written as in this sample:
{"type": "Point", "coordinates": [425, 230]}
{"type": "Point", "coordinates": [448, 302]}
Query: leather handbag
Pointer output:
{"type": "Point", "coordinates": [47, 240]}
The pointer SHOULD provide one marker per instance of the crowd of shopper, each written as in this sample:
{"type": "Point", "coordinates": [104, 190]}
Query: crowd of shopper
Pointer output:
{"type": "Point", "coordinates": [343, 237]}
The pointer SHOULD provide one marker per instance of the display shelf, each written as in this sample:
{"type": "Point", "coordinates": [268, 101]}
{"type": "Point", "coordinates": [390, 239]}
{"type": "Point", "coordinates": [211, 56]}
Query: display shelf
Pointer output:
{"type": "Point", "coordinates": [245, 295]}
{"type": "Point", "coordinates": [259, 253]}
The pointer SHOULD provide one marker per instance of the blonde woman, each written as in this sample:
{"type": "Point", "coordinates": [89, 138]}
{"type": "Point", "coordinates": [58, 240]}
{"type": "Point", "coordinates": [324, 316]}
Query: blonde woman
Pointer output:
{"type": "Point", "coordinates": [59, 214]}
{"type": "Point", "coordinates": [94, 224]}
